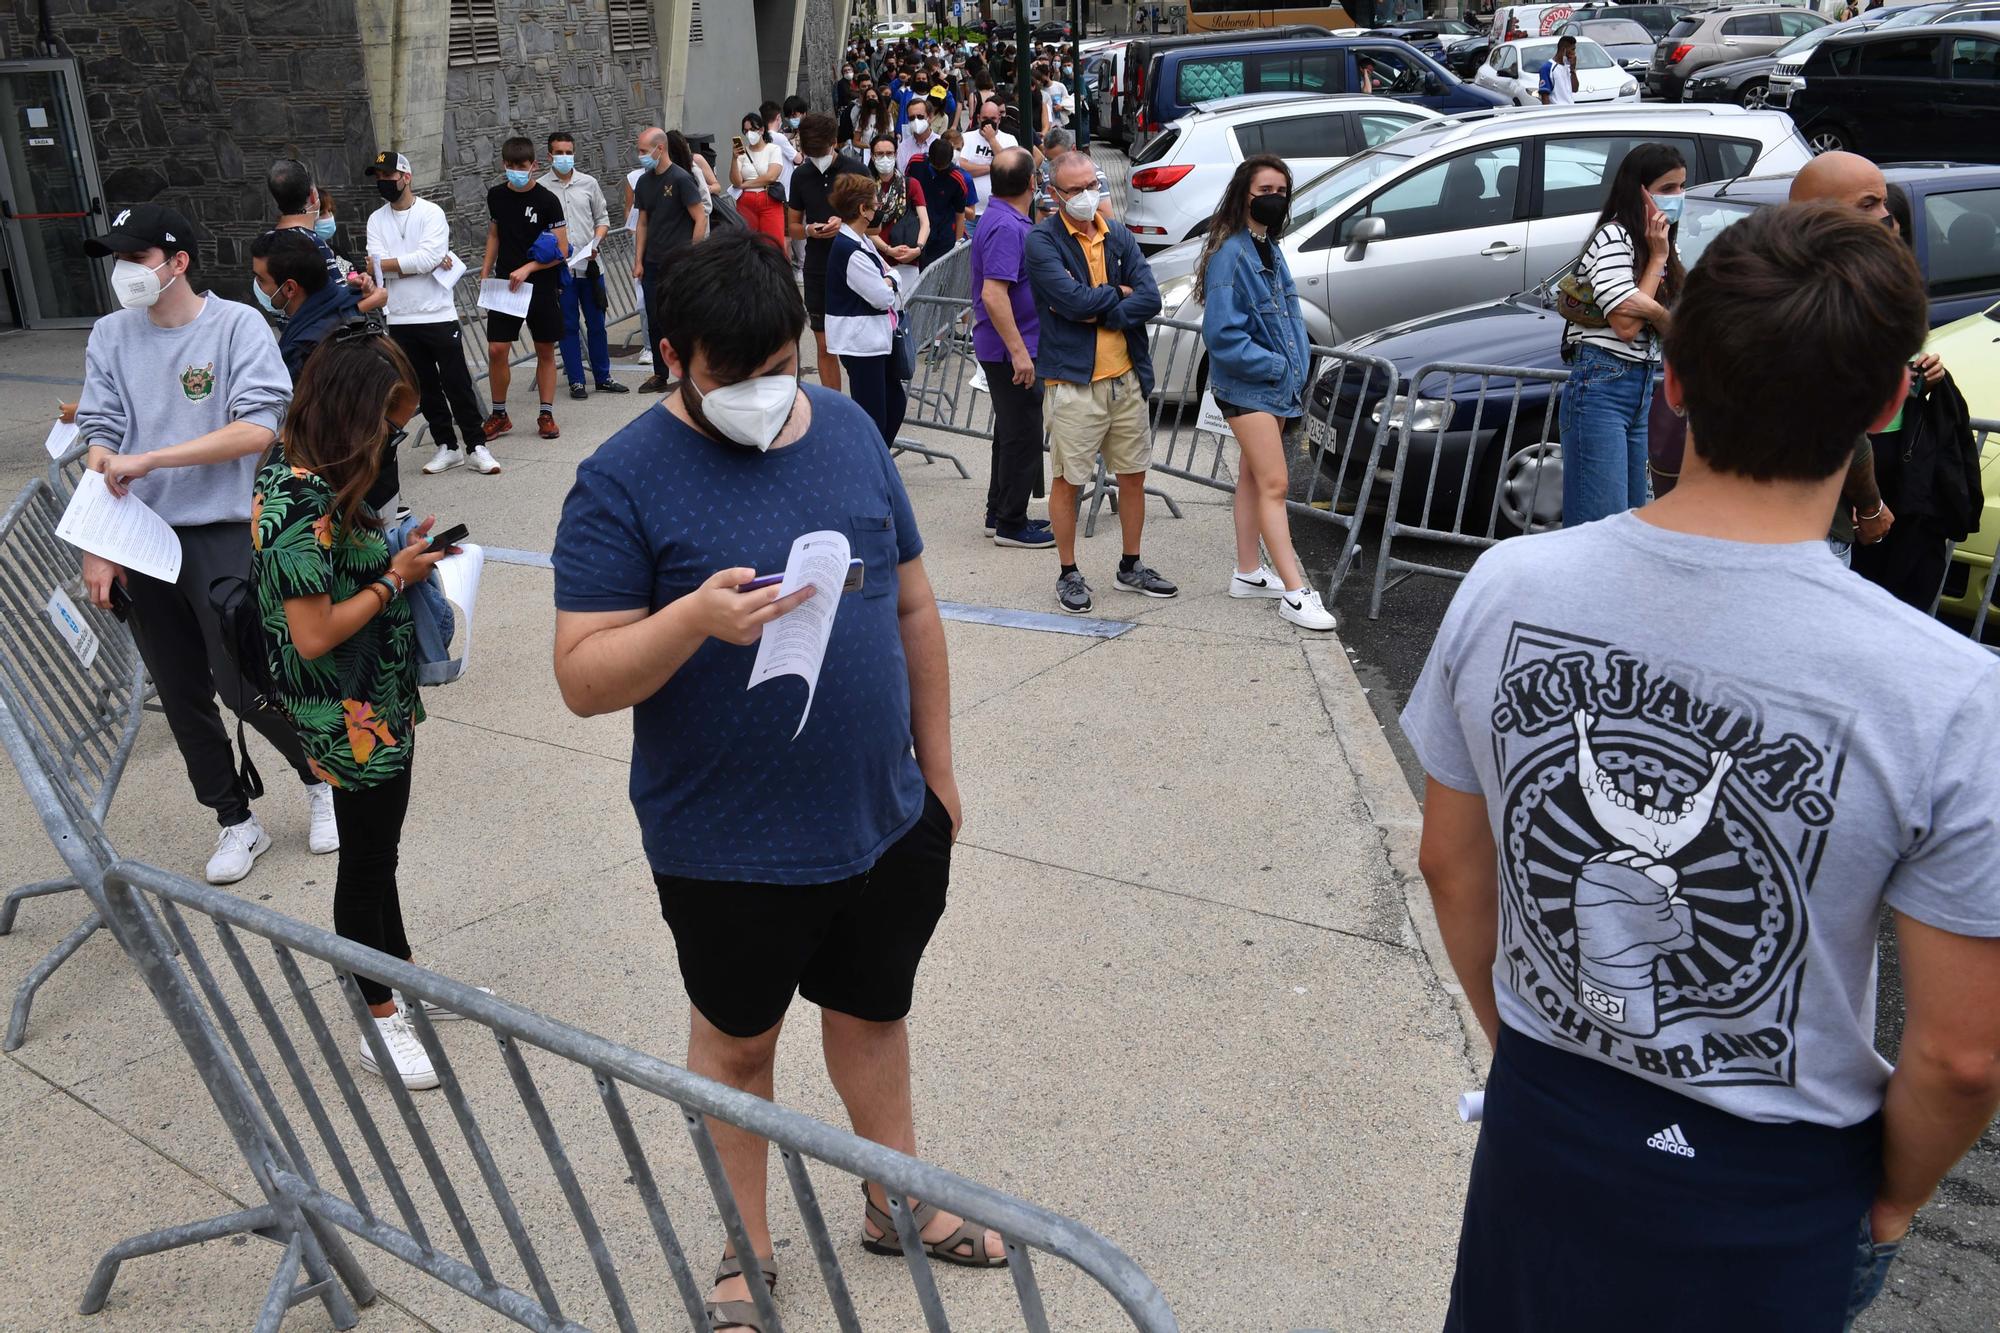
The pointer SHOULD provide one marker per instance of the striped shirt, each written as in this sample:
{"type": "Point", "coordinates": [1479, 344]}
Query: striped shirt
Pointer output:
{"type": "Point", "coordinates": [1607, 264]}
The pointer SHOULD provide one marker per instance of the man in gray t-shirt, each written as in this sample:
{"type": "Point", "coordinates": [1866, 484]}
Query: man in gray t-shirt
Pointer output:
{"type": "Point", "coordinates": [1678, 760]}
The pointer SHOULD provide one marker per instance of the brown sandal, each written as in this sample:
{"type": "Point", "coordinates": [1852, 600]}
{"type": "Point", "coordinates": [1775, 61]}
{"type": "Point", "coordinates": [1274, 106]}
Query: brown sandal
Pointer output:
{"type": "Point", "coordinates": [965, 1247]}
{"type": "Point", "coordinates": [740, 1314]}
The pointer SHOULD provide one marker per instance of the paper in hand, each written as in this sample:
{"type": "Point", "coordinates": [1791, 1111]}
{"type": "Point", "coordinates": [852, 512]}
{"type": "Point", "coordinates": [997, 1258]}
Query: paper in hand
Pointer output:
{"type": "Point", "coordinates": [579, 258]}
{"type": "Point", "coordinates": [795, 643]}
{"type": "Point", "coordinates": [121, 529]}
{"type": "Point", "coordinates": [494, 296]}
{"type": "Point", "coordinates": [447, 278]}
{"type": "Point", "coordinates": [458, 579]}
{"type": "Point", "coordinates": [62, 438]}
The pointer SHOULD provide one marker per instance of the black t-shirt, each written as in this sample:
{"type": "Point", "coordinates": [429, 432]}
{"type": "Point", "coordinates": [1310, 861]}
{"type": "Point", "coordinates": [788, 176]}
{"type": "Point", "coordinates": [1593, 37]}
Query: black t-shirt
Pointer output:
{"type": "Point", "coordinates": [522, 215]}
{"type": "Point", "coordinates": [665, 197]}
{"type": "Point", "coordinates": [1263, 244]}
{"type": "Point", "coordinates": [810, 194]}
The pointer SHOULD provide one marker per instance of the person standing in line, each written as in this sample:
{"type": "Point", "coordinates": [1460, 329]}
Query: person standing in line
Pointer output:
{"type": "Point", "coordinates": [682, 153]}
{"type": "Point", "coordinates": [935, 176]}
{"type": "Point", "coordinates": [588, 222]}
{"type": "Point", "coordinates": [290, 282]}
{"type": "Point", "coordinates": [1662, 821]}
{"type": "Point", "coordinates": [341, 645]}
{"type": "Point", "coordinates": [862, 309]}
{"type": "Point", "coordinates": [520, 213]}
{"type": "Point", "coordinates": [986, 142]}
{"type": "Point", "coordinates": [1057, 145]}
{"type": "Point", "coordinates": [410, 241]}
{"type": "Point", "coordinates": [645, 356]}
{"type": "Point", "coordinates": [1096, 292]}
{"type": "Point", "coordinates": [919, 133]}
{"type": "Point", "coordinates": [809, 214]}
{"type": "Point", "coordinates": [1005, 333]}
{"type": "Point", "coordinates": [181, 393]}
{"type": "Point", "coordinates": [1634, 274]}
{"type": "Point", "coordinates": [1258, 359]}
{"type": "Point", "coordinates": [754, 166]}
{"type": "Point", "coordinates": [1558, 86]}
{"type": "Point", "coordinates": [810, 860]}
{"type": "Point", "coordinates": [671, 219]}
{"type": "Point", "coordinates": [290, 183]}
{"type": "Point", "coordinates": [902, 224]}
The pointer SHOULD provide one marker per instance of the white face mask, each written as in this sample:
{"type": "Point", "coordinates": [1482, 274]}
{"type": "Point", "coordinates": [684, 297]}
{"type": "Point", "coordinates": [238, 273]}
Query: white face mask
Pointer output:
{"type": "Point", "coordinates": [753, 137]}
{"type": "Point", "coordinates": [822, 162]}
{"type": "Point", "coordinates": [884, 165]}
{"type": "Point", "coordinates": [138, 287]}
{"type": "Point", "coordinates": [1082, 206]}
{"type": "Point", "coordinates": [750, 412]}
{"type": "Point", "coordinates": [920, 128]}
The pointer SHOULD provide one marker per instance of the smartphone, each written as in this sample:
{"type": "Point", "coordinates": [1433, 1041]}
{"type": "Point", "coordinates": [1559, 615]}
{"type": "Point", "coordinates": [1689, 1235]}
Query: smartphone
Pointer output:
{"type": "Point", "coordinates": [738, 141]}
{"type": "Point", "coordinates": [855, 570]}
{"type": "Point", "coordinates": [121, 601]}
{"type": "Point", "coordinates": [449, 538]}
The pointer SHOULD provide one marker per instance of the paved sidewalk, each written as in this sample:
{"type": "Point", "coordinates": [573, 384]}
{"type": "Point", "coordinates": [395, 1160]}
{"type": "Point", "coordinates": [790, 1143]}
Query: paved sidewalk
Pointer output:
{"type": "Point", "coordinates": [1178, 994]}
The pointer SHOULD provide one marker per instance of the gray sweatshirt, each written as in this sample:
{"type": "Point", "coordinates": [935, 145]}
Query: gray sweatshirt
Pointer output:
{"type": "Point", "coordinates": [145, 387]}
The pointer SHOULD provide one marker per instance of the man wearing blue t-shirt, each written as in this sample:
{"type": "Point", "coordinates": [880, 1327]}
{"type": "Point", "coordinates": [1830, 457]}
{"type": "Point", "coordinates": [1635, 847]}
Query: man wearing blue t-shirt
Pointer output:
{"type": "Point", "coordinates": [814, 862]}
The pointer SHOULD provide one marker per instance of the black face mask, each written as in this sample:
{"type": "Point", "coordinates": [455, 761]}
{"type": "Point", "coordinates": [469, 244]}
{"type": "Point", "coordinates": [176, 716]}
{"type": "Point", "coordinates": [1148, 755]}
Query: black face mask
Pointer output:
{"type": "Point", "coordinates": [390, 190]}
{"type": "Point", "coordinates": [1268, 210]}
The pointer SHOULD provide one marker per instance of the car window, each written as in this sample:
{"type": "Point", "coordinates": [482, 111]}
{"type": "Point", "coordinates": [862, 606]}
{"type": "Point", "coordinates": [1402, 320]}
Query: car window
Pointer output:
{"type": "Point", "coordinates": [1616, 31]}
{"type": "Point", "coordinates": [1797, 25]}
{"type": "Point", "coordinates": [1577, 173]}
{"type": "Point", "coordinates": [1844, 58]}
{"type": "Point", "coordinates": [1702, 220]}
{"type": "Point", "coordinates": [1504, 65]}
{"type": "Point", "coordinates": [1372, 127]}
{"type": "Point", "coordinates": [1805, 42]}
{"type": "Point", "coordinates": [1474, 189]}
{"type": "Point", "coordinates": [1209, 79]}
{"type": "Point", "coordinates": [1685, 28]}
{"type": "Point", "coordinates": [1161, 145]}
{"type": "Point", "coordinates": [1395, 71]}
{"type": "Point", "coordinates": [1293, 74]}
{"type": "Point", "coordinates": [1306, 136]}
{"type": "Point", "coordinates": [1249, 140]}
{"type": "Point", "coordinates": [1975, 58]}
{"type": "Point", "coordinates": [1734, 156]}
{"type": "Point", "coordinates": [1902, 58]}
{"type": "Point", "coordinates": [1963, 230]}
{"type": "Point", "coordinates": [1312, 201]}
{"type": "Point", "coordinates": [1751, 25]}
{"type": "Point", "coordinates": [1589, 55]}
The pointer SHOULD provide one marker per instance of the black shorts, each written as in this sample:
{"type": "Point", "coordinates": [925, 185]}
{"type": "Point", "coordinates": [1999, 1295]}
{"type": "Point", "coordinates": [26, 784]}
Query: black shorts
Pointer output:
{"type": "Point", "coordinates": [1230, 411]}
{"type": "Point", "coordinates": [815, 294]}
{"type": "Point", "coordinates": [851, 946]}
{"type": "Point", "coordinates": [544, 321]}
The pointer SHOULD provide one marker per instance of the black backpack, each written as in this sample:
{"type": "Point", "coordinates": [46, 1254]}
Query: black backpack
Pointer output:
{"type": "Point", "coordinates": [244, 643]}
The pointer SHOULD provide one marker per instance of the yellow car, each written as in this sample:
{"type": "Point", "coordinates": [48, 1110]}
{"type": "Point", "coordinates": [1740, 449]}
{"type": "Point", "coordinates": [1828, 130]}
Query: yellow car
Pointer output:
{"type": "Point", "coordinates": [1970, 349]}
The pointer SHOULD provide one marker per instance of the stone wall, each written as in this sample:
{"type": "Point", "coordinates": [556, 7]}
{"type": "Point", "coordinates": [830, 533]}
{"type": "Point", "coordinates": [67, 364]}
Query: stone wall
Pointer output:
{"type": "Point", "coordinates": [556, 71]}
{"type": "Point", "coordinates": [190, 100]}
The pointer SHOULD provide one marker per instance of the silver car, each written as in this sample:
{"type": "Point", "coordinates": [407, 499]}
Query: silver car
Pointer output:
{"type": "Point", "coordinates": [1470, 208]}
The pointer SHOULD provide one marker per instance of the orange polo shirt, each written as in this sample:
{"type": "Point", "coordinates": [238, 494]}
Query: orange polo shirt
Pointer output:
{"type": "Point", "coordinates": [1114, 357]}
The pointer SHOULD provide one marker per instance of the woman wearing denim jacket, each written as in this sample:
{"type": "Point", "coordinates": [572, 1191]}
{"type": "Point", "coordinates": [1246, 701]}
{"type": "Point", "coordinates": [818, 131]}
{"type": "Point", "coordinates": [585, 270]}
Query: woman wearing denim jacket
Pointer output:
{"type": "Point", "coordinates": [1258, 360]}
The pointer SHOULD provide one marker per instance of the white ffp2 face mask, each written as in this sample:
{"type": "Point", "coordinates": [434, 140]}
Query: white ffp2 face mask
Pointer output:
{"type": "Point", "coordinates": [750, 412]}
{"type": "Point", "coordinates": [1082, 206]}
{"type": "Point", "coordinates": [136, 286]}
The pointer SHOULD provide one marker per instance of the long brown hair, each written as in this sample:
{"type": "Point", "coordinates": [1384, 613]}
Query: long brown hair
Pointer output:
{"type": "Point", "coordinates": [1625, 204]}
{"type": "Point", "coordinates": [1233, 213]}
{"type": "Point", "coordinates": [337, 422]}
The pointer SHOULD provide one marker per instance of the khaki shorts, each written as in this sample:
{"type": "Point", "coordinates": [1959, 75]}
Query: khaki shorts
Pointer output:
{"type": "Point", "coordinates": [1107, 417]}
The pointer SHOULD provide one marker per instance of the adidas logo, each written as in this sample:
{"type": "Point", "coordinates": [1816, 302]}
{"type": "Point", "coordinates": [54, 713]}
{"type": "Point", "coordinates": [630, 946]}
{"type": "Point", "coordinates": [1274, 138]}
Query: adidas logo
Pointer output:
{"type": "Point", "coordinates": [1671, 1140]}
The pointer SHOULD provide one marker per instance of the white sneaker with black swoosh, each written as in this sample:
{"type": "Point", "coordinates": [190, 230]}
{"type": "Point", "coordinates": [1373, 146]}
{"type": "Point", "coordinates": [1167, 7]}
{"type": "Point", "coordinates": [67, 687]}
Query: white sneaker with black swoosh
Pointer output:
{"type": "Point", "coordinates": [1671, 1140]}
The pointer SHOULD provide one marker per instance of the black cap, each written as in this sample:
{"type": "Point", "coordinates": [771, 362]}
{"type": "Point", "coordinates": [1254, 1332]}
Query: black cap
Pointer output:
{"type": "Point", "coordinates": [136, 227]}
{"type": "Point", "coordinates": [386, 161]}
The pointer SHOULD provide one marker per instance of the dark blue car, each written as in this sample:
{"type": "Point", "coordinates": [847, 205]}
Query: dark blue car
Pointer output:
{"type": "Point", "coordinates": [1494, 444]}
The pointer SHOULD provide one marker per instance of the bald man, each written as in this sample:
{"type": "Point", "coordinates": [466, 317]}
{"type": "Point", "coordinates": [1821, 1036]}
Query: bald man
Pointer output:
{"type": "Point", "coordinates": [671, 219]}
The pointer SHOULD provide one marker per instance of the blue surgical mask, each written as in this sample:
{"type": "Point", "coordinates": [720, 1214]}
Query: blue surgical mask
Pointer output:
{"type": "Point", "coordinates": [270, 306]}
{"type": "Point", "coordinates": [1668, 204]}
{"type": "Point", "coordinates": [324, 229]}
{"type": "Point", "coordinates": [519, 179]}
{"type": "Point", "coordinates": [564, 163]}
{"type": "Point", "coordinates": [648, 161]}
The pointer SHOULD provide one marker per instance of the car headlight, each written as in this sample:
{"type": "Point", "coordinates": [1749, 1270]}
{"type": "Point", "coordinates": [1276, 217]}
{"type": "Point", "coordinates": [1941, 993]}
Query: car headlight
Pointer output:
{"type": "Point", "coordinates": [1799, 84]}
{"type": "Point", "coordinates": [1627, 88]}
{"type": "Point", "coordinates": [1174, 292]}
{"type": "Point", "coordinates": [1425, 414]}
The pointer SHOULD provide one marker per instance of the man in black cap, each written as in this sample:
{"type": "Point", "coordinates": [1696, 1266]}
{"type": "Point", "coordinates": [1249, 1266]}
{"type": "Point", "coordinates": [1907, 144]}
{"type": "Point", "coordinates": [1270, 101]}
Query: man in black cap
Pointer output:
{"type": "Point", "coordinates": [181, 394]}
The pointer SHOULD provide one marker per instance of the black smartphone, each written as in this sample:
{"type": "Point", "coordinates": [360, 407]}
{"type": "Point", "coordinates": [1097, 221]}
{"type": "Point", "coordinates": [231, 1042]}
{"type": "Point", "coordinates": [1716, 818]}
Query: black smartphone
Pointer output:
{"type": "Point", "coordinates": [121, 601]}
{"type": "Point", "coordinates": [450, 537]}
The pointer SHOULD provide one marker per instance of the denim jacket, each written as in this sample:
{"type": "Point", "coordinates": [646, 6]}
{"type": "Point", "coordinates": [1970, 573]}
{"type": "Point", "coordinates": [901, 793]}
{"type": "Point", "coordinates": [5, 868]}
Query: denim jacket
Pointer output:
{"type": "Point", "coordinates": [431, 613]}
{"type": "Point", "coordinates": [1072, 309]}
{"type": "Point", "coordinates": [1258, 351]}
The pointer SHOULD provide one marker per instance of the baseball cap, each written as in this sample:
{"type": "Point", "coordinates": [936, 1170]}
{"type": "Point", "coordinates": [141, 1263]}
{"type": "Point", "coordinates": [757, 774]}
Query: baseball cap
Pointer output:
{"type": "Point", "coordinates": [388, 161]}
{"type": "Point", "coordinates": [141, 227]}
{"type": "Point", "coordinates": [937, 90]}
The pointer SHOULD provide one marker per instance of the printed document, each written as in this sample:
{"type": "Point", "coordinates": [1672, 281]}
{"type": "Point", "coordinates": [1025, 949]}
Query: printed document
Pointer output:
{"type": "Point", "coordinates": [795, 643]}
{"type": "Point", "coordinates": [447, 278]}
{"type": "Point", "coordinates": [121, 529]}
{"type": "Point", "coordinates": [62, 438]}
{"type": "Point", "coordinates": [458, 580]}
{"type": "Point", "coordinates": [494, 296]}
{"type": "Point", "coordinates": [579, 258]}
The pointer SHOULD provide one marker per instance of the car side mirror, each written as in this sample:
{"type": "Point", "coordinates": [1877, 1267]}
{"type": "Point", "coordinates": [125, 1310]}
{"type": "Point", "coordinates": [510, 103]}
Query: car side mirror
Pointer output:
{"type": "Point", "coordinates": [1364, 231]}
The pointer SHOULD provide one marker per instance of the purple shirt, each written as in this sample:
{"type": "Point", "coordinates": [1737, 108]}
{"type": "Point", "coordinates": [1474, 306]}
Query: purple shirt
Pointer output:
{"type": "Point", "coordinates": [999, 251]}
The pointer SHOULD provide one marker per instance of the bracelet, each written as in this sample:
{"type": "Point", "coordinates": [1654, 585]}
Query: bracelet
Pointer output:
{"type": "Point", "coordinates": [1869, 518]}
{"type": "Point", "coordinates": [379, 586]}
{"type": "Point", "coordinates": [393, 582]}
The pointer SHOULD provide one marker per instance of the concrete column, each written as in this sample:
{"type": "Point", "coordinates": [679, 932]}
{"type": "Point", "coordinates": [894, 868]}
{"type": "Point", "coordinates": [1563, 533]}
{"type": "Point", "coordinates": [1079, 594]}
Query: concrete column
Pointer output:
{"type": "Point", "coordinates": [781, 28]}
{"type": "Point", "coordinates": [819, 58]}
{"type": "Point", "coordinates": [670, 34]}
{"type": "Point", "coordinates": [404, 47]}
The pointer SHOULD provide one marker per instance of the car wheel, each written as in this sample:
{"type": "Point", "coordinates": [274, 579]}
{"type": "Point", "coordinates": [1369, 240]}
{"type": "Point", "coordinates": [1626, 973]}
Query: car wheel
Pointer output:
{"type": "Point", "coordinates": [1529, 482]}
{"type": "Point", "coordinates": [1830, 139]}
{"type": "Point", "coordinates": [1754, 94]}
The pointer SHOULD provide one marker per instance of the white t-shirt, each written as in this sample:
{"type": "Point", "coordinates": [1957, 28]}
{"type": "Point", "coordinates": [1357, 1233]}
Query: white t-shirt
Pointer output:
{"type": "Point", "coordinates": [790, 153]}
{"type": "Point", "coordinates": [1058, 99]}
{"type": "Point", "coordinates": [754, 162]}
{"type": "Point", "coordinates": [978, 151]}
{"type": "Point", "coordinates": [632, 213]}
{"type": "Point", "coordinates": [1561, 84]}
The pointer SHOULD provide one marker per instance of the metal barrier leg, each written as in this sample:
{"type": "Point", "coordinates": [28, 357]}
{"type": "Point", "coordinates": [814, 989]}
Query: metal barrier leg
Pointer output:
{"type": "Point", "coordinates": [928, 455]}
{"type": "Point", "coordinates": [12, 904]}
{"type": "Point", "coordinates": [1103, 488]}
{"type": "Point", "coordinates": [17, 1022]}
{"type": "Point", "coordinates": [260, 1221]}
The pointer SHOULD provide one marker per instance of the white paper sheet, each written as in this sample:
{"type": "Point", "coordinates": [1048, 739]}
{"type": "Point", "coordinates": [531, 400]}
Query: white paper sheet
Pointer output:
{"type": "Point", "coordinates": [458, 580]}
{"type": "Point", "coordinates": [795, 643]}
{"type": "Point", "coordinates": [121, 529]}
{"type": "Point", "coordinates": [447, 278]}
{"type": "Point", "coordinates": [579, 258]}
{"type": "Point", "coordinates": [1211, 419]}
{"type": "Point", "coordinates": [493, 295]}
{"type": "Point", "coordinates": [62, 438]}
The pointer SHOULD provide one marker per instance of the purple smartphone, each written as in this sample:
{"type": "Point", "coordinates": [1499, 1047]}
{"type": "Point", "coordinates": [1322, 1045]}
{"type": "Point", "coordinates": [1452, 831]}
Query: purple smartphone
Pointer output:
{"type": "Point", "coordinates": [854, 573]}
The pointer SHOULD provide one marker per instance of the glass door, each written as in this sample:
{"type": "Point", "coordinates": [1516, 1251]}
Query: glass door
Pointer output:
{"type": "Point", "coordinates": [49, 196]}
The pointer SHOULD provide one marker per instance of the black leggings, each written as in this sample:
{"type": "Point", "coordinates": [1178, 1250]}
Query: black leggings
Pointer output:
{"type": "Point", "coordinates": [365, 906]}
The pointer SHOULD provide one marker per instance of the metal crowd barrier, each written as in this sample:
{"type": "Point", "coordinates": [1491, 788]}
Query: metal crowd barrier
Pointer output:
{"type": "Point", "coordinates": [1474, 479]}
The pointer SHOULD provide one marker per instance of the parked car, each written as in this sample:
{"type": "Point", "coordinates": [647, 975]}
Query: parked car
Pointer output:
{"type": "Point", "coordinates": [893, 28]}
{"type": "Point", "coordinates": [1104, 82]}
{"type": "Point", "coordinates": [1465, 209]}
{"type": "Point", "coordinates": [1178, 179]}
{"type": "Point", "coordinates": [1904, 94]}
{"type": "Point", "coordinates": [1710, 36]}
{"type": "Point", "coordinates": [1628, 44]}
{"type": "Point", "coordinates": [1178, 81]}
{"type": "Point", "coordinates": [1141, 48]}
{"type": "Point", "coordinates": [1514, 70]}
{"type": "Point", "coordinates": [1657, 20]}
{"type": "Point", "coordinates": [1055, 30]}
{"type": "Point", "coordinates": [1465, 59]}
{"type": "Point", "coordinates": [1791, 58]}
{"type": "Point", "coordinates": [1516, 21]}
{"type": "Point", "coordinates": [1432, 36]}
{"type": "Point", "coordinates": [1960, 261]}
{"type": "Point", "coordinates": [1755, 81]}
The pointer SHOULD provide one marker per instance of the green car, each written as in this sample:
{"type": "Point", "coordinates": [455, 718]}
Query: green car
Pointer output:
{"type": "Point", "coordinates": [1970, 348]}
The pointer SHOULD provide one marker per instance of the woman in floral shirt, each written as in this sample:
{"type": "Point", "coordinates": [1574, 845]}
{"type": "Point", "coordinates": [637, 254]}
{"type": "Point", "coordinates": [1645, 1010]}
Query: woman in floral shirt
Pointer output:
{"type": "Point", "coordinates": [342, 643]}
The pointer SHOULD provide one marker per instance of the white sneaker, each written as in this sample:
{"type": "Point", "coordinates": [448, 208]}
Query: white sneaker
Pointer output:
{"type": "Point", "coordinates": [325, 834]}
{"type": "Point", "coordinates": [413, 1064]}
{"type": "Point", "coordinates": [978, 381]}
{"type": "Point", "coordinates": [645, 358]}
{"type": "Point", "coordinates": [1303, 609]}
{"type": "Point", "coordinates": [434, 1011]}
{"type": "Point", "coordinates": [236, 850]}
{"type": "Point", "coordinates": [446, 458]}
{"type": "Point", "coordinates": [1264, 583]}
{"type": "Point", "coordinates": [483, 461]}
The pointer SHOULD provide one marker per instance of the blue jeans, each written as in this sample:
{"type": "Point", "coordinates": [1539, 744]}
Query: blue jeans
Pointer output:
{"type": "Point", "coordinates": [1604, 434]}
{"type": "Point", "coordinates": [585, 293]}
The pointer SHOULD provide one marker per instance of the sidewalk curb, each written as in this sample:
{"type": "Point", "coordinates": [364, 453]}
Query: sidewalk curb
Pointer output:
{"type": "Point", "coordinates": [1398, 818]}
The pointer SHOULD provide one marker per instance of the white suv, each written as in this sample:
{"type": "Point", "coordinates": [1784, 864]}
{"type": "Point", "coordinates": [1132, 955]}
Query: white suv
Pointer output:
{"type": "Point", "coordinates": [1178, 179]}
